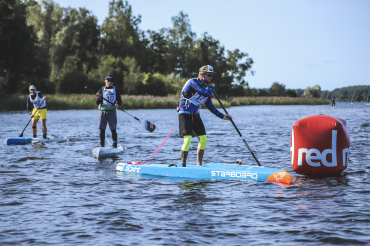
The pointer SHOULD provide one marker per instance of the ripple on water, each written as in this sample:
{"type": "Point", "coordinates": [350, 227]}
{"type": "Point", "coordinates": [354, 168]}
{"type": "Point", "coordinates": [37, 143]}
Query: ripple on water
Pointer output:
{"type": "Point", "coordinates": [57, 193]}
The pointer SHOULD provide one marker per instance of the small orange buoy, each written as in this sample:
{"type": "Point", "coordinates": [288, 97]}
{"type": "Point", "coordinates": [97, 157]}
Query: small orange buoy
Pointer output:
{"type": "Point", "coordinates": [280, 177]}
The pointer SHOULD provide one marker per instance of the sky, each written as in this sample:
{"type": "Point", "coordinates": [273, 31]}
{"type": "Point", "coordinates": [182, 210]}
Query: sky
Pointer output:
{"type": "Point", "coordinates": [298, 43]}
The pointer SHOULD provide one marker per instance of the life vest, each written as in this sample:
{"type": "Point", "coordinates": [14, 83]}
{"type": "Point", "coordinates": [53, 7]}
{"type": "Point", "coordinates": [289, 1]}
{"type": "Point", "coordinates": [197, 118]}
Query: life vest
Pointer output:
{"type": "Point", "coordinates": [37, 101]}
{"type": "Point", "coordinates": [110, 95]}
{"type": "Point", "coordinates": [195, 98]}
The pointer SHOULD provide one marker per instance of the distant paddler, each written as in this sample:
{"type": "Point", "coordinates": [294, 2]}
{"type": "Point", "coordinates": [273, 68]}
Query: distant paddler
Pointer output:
{"type": "Point", "coordinates": [333, 102]}
{"type": "Point", "coordinates": [368, 100]}
{"type": "Point", "coordinates": [38, 99]}
{"type": "Point", "coordinates": [196, 91]}
{"type": "Point", "coordinates": [108, 110]}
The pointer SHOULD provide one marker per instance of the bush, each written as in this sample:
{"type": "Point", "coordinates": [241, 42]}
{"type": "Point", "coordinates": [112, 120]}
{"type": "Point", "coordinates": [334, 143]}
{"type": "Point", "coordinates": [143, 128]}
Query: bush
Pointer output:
{"type": "Point", "coordinates": [312, 92]}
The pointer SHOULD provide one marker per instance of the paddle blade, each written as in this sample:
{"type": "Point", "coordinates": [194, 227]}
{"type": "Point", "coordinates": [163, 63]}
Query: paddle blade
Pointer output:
{"type": "Point", "coordinates": [148, 125]}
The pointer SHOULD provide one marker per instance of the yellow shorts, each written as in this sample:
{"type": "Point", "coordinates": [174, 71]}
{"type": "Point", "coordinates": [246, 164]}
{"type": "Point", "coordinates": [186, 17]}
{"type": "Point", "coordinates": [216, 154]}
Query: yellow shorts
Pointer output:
{"type": "Point", "coordinates": [41, 113]}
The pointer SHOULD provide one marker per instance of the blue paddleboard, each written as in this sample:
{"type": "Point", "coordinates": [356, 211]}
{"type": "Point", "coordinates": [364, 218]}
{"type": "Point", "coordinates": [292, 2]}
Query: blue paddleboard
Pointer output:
{"type": "Point", "coordinates": [12, 141]}
{"type": "Point", "coordinates": [209, 171]}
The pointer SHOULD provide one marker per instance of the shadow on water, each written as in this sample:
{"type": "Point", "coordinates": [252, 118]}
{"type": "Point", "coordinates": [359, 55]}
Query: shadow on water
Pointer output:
{"type": "Point", "coordinates": [193, 194]}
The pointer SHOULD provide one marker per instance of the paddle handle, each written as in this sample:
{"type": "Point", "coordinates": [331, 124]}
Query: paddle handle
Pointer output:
{"type": "Point", "coordinates": [245, 142]}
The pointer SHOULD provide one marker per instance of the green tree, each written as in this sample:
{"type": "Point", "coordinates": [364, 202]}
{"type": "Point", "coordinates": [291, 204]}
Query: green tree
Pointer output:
{"type": "Point", "coordinates": [78, 36]}
{"type": "Point", "coordinates": [291, 93]}
{"type": "Point", "coordinates": [277, 90]}
{"type": "Point", "coordinates": [45, 18]}
{"type": "Point", "coordinates": [121, 36]}
{"type": "Point", "coordinates": [109, 65]}
{"type": "Point", "coordinates": [70, 79]}
{"type": "Point", "coordinates": [133, 78]}
{"type": "Point", "coordinates": [17, 45]}
{"type": "Point", "coordinates": [311, 92]}
{"type": "Point", "coordinates": [158, 48]}
{"type": "Point", "coordinates": [181, 41]}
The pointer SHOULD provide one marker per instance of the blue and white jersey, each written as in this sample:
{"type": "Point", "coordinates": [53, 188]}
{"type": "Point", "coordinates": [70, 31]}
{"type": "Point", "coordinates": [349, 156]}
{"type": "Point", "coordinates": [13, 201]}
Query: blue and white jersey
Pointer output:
{"type": "Point", "coordinates": [110, 95]}
{"type": "Point", "coordinates": [194, 94]}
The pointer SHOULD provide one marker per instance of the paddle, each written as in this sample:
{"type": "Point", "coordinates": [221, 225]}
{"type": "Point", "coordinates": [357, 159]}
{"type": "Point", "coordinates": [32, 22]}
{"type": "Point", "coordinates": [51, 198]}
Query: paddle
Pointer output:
{"type": "Point", "coordinates": [31, 119]}
{"type": "Point", "coordinates": [245, 142]}
{"type": "Point", "coordinates": [146, 124]}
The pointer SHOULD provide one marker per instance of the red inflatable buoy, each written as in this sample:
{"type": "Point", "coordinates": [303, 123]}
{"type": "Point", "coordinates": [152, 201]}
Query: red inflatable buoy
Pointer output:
{"type": "Point", "coordinates": [319, 146]}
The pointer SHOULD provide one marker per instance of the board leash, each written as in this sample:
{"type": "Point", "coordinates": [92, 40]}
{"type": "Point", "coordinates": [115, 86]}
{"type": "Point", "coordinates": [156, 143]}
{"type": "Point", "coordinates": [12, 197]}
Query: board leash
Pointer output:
{"type": "Point", "coordinates": [160, 146]}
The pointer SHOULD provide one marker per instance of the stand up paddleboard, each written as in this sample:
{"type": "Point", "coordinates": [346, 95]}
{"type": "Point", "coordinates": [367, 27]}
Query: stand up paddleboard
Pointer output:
{"type": "Point", "coordinates": [333, 107]}
{"type": "Point", "coordinates": [209, 171]}
{"type": "Point", "coordinates": [100, 152]}
{"type": "Point", "coordinates": [17, 141]}
{"type": "Point", "coordinates": [22, 140]}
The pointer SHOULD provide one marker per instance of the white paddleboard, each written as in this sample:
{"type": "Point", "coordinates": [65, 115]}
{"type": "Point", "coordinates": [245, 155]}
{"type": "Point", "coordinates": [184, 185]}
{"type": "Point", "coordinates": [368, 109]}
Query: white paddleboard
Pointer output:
{"type": "Point", "coordinates": [100, 152]}
{"type": "Point", "coordinates": [34, 140]}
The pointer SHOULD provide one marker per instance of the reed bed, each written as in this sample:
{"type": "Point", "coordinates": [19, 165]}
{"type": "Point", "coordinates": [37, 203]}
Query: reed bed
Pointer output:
{"type": "Point", "coordinates": [242, 101]}
{"type": "Point", "coordinates": [87, 101]}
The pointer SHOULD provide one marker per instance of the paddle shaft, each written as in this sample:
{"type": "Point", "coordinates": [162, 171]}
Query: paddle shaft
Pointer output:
{"type": "Point", "coordinates": [87, 88]}
{"type": "Point", "coordinates": [245, 142]}
{"type": "Point", "coordinates": [31, 119]}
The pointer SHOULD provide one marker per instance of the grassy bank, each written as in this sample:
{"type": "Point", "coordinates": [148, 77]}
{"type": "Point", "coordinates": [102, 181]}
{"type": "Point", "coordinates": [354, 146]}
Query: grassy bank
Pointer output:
{"type": "Point", "coordinates": [87, 101]}
{"type": "Point", "coordinates": [242, 101]}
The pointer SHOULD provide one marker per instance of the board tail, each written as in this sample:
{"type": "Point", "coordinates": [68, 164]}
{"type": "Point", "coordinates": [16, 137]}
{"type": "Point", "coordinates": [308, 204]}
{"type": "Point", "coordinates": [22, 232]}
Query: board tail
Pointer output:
{"type": "Point", "coordinates": [282, 177]}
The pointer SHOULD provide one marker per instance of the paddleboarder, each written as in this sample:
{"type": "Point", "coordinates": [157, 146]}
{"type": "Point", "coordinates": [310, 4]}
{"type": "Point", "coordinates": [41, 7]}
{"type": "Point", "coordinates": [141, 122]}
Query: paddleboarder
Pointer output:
{"type": "Point", "coordinates": [368, 100]}
{"type": "Point", "coordinates": [37, 99]}
{"type": "Point", "coordinates": [196, 91]}
{"type": "Point", "coordinates": [351, 100]}
{"type": "Point", "coordinates": [333, 102]}
{"type": "Point", "coordinates": [108, 113]}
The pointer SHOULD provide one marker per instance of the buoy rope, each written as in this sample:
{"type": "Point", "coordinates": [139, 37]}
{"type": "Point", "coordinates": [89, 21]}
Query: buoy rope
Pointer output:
{"type": "Point", "coordinates": [160, 146]}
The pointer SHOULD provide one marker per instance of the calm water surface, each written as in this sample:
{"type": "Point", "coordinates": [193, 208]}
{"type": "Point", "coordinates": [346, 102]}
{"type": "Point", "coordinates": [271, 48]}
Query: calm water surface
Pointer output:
{"type": "Point", "coordinates": [58, 194]}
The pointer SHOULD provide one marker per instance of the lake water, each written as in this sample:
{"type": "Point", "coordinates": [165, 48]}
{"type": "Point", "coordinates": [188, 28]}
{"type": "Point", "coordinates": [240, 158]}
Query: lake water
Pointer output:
{"type": "Point", "coordinates": [58, 194]}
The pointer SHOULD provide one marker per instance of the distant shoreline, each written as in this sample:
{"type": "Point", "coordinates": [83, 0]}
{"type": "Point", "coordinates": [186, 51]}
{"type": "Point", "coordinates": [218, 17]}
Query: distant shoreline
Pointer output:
{"type": "Point", "coordinates": [86, 101]}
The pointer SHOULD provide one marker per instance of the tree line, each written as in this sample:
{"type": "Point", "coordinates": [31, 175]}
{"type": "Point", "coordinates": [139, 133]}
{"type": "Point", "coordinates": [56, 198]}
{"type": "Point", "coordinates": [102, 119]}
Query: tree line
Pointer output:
{"type": "Point", "coordinates": [358, 93]}
{"type": "Point", "coordinates": [60, 50]}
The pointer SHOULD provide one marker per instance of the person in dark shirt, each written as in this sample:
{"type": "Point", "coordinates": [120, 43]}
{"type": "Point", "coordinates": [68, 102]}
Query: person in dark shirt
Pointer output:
{"type": "Point", "coordinates": [333, 102]}
{"type": "Point", "coordinates": [37, 99]}
{"type": "Point", "coordinates": [108, 113]}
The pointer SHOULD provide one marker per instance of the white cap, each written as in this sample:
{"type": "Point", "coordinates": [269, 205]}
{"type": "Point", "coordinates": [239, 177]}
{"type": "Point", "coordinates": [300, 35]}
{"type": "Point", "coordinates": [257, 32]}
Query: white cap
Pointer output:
{"type": "Point", "coordinates": [32, 87]}
{"type": "Point", "coordinates": [206, 69]}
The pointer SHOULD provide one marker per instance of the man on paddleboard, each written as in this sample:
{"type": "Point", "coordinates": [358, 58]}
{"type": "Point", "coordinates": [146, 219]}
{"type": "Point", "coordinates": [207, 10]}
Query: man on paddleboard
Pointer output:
{"type": "Point", "coordinates": [195, 92]}
{"type": "Point", "coordinates": [108, 113]}
{"type": "Point", "coordinates": [333, 102]}
{"type": "Point", "coordinates": [37, 98]}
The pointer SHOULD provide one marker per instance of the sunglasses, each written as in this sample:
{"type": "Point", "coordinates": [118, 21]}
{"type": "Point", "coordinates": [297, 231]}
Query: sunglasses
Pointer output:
{"type": "Point", "coordinates": [109, 80]}
{"type": "Point", "coordinates": [209, 75]}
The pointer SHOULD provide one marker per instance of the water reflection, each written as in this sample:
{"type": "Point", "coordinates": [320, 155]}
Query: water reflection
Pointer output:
{"type": "Point", "coordinates": [58, 193]}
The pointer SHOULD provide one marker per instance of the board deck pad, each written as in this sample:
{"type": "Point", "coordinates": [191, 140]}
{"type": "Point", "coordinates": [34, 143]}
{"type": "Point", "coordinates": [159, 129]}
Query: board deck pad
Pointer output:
{"type": "Point", "coordinates": [209, 171]}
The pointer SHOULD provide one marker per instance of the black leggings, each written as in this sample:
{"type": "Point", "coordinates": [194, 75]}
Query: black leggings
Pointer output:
{"type": "Point", "coordinates": [102, 136]}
